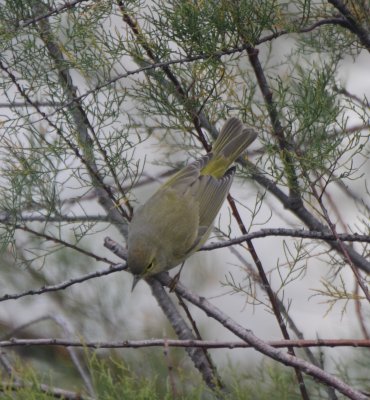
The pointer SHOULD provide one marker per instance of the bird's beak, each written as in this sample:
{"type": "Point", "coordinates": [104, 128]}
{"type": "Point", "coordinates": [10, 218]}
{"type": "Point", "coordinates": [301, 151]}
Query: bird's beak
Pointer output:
{"type": "Point", "coordinates": [136, 280]}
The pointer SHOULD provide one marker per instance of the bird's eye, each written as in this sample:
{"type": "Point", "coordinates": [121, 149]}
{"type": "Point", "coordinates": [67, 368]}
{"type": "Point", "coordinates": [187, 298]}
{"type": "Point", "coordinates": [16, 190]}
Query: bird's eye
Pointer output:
{"type": "Point", "coordinates": [149, 267]}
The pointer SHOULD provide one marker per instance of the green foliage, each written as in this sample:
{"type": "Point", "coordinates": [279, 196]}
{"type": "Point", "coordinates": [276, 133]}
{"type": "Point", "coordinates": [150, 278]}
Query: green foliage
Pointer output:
{"type": "Point", "coordinates": [313, 114]}
{"type": "Point", "coordinates": [207, 26]}
{"type": "Point", "coordinates": [114, 379]}
{"type": "Point", "coordinates": [266, 383]}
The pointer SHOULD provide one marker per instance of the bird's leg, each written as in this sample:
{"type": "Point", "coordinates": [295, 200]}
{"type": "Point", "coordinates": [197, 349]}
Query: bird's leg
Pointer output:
{"type": "Point", "coordinates": [176, 279]}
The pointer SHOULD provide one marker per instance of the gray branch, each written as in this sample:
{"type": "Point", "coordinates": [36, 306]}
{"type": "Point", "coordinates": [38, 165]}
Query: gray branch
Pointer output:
{"type": "Point", "coordinates": [260, 345]}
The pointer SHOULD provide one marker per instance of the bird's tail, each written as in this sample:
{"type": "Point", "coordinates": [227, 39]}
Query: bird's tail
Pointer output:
{"type": "Point", "coordinates": [233, 139]}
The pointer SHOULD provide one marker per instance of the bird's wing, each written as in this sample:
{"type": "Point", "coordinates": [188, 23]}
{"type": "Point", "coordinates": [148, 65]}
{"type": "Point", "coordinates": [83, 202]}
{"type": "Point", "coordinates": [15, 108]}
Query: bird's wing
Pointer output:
{"type": "Point", "coordinates": [187, 176]}
{"type": "Point", "coordinates": [198, 196]}
{"type": "Point", "coordinates": [210, 193]}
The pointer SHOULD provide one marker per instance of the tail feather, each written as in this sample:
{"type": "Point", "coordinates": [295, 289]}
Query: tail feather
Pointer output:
{"type": "Point", "coordinates": [233, 139]}
{"type": "Point", "coordinates": [238, 144]}
{"type": "Point", "coordinates": [231, 129]}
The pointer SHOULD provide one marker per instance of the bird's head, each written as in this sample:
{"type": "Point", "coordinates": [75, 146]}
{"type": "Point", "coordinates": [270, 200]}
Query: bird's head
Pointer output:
{"type": "Point", "coordinates": [142, 259]}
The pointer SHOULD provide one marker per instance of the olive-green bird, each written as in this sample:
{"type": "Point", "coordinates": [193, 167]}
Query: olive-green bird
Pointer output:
{"type": "Point", "coordinates": [177, 220]}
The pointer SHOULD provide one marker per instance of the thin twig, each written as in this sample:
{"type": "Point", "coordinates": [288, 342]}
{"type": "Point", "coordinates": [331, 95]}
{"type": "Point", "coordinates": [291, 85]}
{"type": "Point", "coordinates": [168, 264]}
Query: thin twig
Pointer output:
{"type": "Point", "coordinates": [198, 337]}
{"type": "Point", "coordinates": [360, 280]}
{"type": "Point", "coordinates": [70, 219]}
{"type": "Point", "coordinates": [359, 312]}
{"type": "Point", "coordinates": [65, 284]}
{"type": "Point", "coordinates": [79, 115]}
{"type": "Point", "coordinates": [183, 331]}
{"type": "Point", "coordinates": [105, 191]}
{"type": "Point", "coordinates": [57, 10]}
{"type": "Point", "coordinates": [57, 393]}
{"type": "Point", "coordinates": [362, 102]}
{"type": "Point", "coordinates": [59, 241]}
{"type": "Point", "coordinates": [197, 57]}
{"type": "Point", "coordinates": [271, 295]}
{"type": "Point", "coordinates": [303, 214]}
{"type": "Point", "coordinates": [68, 331]}
{"type": "Point", "coordinates": [297, 233]}
{"type": "Point", "coordinates": [170, 370]}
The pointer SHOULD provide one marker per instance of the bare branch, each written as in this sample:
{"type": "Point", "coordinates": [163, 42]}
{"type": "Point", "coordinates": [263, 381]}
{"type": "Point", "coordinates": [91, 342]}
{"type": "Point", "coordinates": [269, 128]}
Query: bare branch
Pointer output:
{"type": "Point", "coordinates": [352, 24]}
{"type": "Point", "coordinates": [209, 344]}
{"type": "Point", "coordinates": [24, 104]}
{"type": "Point", "coordinates": [115, 248]}
{"type": "Point", "coordinates": [200, 360]}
